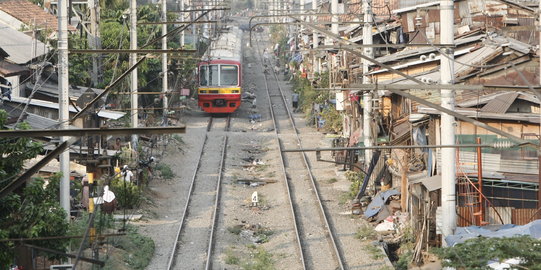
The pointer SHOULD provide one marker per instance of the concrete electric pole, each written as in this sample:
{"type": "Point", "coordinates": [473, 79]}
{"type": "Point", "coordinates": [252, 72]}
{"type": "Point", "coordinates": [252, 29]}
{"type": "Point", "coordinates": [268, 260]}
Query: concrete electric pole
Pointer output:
{"type": "Point", "coordinates": [164, 62]}
{"type": "Point", "coordinates": [94, 40]}
{"type": "Point", "coordinates": [315, 39]}
{"type": "Point", "coordinates": [182, 14]}
{"type": "Point", "coordinates": [63, 98]}
{"type": "Point", "coordinates": [334, 16]}
{"type": "Point", "coordinates": [448, 175]}
{"type": "Point", "coordinates": [367, 96]}
{"type": "Point", "coordinates": [133, 59]}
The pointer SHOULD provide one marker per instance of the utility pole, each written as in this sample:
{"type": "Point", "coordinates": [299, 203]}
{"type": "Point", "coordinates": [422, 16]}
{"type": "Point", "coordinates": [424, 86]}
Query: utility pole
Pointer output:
{"type": "Point", "coordinates": [539, 98]}
{"type": "Point", "coordinates": [448, 175]}
{"type": "Point", "coordinates": [367, 96]}
{"type": "Point", "coordinates": [334, 16]}
{"type": "Point", "coordinates": [182, 20]}
{"type": "Point", "coordinates": [94, 39]}
{"type": "Point", "coordinates": [63, 96]}
{"type": "Point", "coordinates": [133, 60]}
{"type": "Point", "coordinates": [164, 62]}
{"type": "Point", "coordinates": [315, 39]}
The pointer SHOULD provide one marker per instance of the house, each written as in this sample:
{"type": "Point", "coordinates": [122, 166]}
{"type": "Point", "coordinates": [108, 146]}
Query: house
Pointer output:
{"type": "Point", "coordinates": [23, 15]}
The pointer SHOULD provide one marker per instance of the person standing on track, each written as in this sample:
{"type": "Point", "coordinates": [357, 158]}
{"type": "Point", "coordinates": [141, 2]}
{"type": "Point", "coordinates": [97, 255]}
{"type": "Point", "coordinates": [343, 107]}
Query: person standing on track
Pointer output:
{"type": "Point", "coordinates": [295, 99]}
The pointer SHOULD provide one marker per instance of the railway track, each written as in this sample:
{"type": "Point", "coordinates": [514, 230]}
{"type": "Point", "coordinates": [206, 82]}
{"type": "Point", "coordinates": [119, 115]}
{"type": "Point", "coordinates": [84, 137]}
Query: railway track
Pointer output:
{"type": "Point", "coordinates": [223, 122]}
{"type": "Point", "coordinates": [315, 236]}
{"type": "Point", "coordinates": [194, 242]}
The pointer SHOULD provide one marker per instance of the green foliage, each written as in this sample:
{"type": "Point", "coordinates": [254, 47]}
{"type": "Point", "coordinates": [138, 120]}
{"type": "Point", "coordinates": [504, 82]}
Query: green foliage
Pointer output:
{"type": "Point", "coordinates": [102, 222]}
{"type": "Point", "coordinates": [475, 253]}
{"type": "Point", "coordinates": [235, 229]}
{"type": "Point", "coordinates": [231, 258]}
{"type": "Point", "coordinates": [134, 251]}
{"type": "Point", "coordinates": [260, 259]}
{"type": "Point", "coordinates": [165, 171]}
{"type": "Point", "coordinates": [375, 252]}
{"type": "Point", "coordinates": [404, 260]}
{"type": "Point", "coordinates": [333, 119]}
{"type": "Point", "coordinates": [128, 194]}
{"type": "Point", "coordinates": [356, 179]}
{"type": "Point", "coordinates": [33, 211]}
{"type": "Point", "coordinates": [365, 232]}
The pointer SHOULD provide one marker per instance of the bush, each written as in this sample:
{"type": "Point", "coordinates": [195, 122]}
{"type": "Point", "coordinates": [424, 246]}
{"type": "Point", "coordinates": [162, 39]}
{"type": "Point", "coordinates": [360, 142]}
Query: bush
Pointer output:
{"type": "Point", "coordinates": [136, 251]}
{"type": "Point", "coordinates": [475, 253]}
{"type": "Point", "coordinates": [356, 179]}
{"type": "Point", "coordinates": [127, 194]}
{"type": "Point", "coordinates": [165, 171]}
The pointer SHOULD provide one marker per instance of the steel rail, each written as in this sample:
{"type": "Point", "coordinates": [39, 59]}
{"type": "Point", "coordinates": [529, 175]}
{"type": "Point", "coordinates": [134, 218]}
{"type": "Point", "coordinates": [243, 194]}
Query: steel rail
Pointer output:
{"type": "Point", "coordinates": [184, 213]}
{"type": "Point", "coordinates": [216, 204]}
{"type": "Point", "coordinates": [331, 232]}
{"type": "Point", "coordinates": [209, 125]}
{"type": "Point", "coordinates": [282, 161]}
{"type": "Point", "coordinates": [228, 122]}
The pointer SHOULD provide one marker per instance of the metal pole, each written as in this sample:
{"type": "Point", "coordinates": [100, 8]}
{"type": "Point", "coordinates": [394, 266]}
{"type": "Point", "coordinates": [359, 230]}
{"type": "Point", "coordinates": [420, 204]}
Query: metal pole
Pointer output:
{"type": "Point", "coordinates": [480, 181]}
{"type": "Point", "coordinates": [63, 97]}
{"type": "Point", "coordinates": [448, 176]}
{"type": "Point", "coordinates": [367, 96]}
{"type": "Point", "coordinates": [164, 63]}
{"type": "Point", "coordinates": [133, 60]}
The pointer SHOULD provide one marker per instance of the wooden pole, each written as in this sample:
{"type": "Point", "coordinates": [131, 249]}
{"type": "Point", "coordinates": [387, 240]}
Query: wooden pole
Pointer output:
{"type": "Point", "coordinates": [404, 184]}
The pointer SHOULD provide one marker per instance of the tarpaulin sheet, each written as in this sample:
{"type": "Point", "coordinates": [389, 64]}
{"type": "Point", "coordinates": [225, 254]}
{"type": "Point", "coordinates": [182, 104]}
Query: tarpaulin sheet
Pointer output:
{"type": "Point", "coordinates": [462, 234]}
{"type": "Point", "coordinates": [379, 201]}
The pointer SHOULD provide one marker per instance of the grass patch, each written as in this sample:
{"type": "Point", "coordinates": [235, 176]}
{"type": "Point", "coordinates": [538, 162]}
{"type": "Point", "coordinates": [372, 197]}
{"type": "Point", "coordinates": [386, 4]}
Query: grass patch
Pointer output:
{"type": "Point", "coordinates": [375, 252]}
{"type": "Point", "coordinates": [134, 251]}
{"type": "Point", "coordinates": [235, 229]}
{"type": "Point", "coordinates": [365, 232]}
{"type": "Point", "coordinates": [165, 171]}
{"type": "Point", "coordinates": [231, 258]}
{"type": "Point", "coordinates": [260, 259]}
{"type": "Point", "coordinates": [343, 198]}
{"type": "Point", "coordinates": [271, 174]}
{"type": "Point", "coordinates": [262, 167]}
{"type": "Point", "coordinates": [332, 180]}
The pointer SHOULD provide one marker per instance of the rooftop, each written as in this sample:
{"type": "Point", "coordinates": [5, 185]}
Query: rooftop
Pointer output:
{"type": "Point", "coordinates": [31, 14]}
{"type": "Point", "coordinates": [20, 47]}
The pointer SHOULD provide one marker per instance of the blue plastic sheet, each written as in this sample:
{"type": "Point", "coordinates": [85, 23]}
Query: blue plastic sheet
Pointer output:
{"type": "Point", "coordinates": [379, 201]}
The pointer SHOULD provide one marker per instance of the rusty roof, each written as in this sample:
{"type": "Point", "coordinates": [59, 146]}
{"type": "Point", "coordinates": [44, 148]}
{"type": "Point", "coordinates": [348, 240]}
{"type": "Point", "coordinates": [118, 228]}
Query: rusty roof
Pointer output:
{"type": "Point", "coordinates": [8, 69]}
{"type": "Point", "coordinates": [31, 14]}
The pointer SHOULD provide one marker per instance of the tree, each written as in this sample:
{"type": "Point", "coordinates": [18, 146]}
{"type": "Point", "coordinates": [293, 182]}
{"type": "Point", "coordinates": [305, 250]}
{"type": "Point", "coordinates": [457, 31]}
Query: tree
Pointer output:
{"type": "Point", "coordinates": [475, 253]}
{"type": "Point", "coordinates": [33, 211]}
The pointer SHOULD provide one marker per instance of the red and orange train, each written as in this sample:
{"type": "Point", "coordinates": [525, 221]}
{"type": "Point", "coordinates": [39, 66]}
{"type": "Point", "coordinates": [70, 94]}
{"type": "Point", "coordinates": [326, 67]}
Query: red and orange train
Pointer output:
{"type": "Point", "coordinates": [220, 74]}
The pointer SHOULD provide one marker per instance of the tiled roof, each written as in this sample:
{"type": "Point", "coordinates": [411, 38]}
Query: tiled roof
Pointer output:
{"type": "Point", "coordinates": [31, 14]}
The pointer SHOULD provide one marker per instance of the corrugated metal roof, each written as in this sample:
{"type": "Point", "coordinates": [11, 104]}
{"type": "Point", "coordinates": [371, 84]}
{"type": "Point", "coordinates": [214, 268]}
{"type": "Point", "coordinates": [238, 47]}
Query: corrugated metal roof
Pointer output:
{"type": "Point", "coordinates": [19, 46]}
{"type": "Point", "coordinates": [8, 69]}
{"type": "Point", "coordinates": [102, 113]}
{"type": "Point", "coordinates": [501, 103]}
{"type": "Point", "coordinates": [412, 52]}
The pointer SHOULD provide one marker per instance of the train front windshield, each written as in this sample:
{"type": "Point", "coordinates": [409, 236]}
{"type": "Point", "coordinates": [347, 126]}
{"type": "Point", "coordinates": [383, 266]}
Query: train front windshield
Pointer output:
{"type": "Point", "coordinates": [218, 75]}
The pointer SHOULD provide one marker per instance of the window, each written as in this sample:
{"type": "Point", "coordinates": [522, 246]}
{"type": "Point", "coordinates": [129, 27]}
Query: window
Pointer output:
{"type": "Point", "coordinates": [203, 75]}
{"type": "Point", "coordinates": [229, 75]}
{"type": "Point", "coordinates": [208, 74]}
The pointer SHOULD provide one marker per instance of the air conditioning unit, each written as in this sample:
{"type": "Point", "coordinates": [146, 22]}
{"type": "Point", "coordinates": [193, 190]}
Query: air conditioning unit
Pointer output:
{"type": "Point", "coordinates": [423, 57]}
